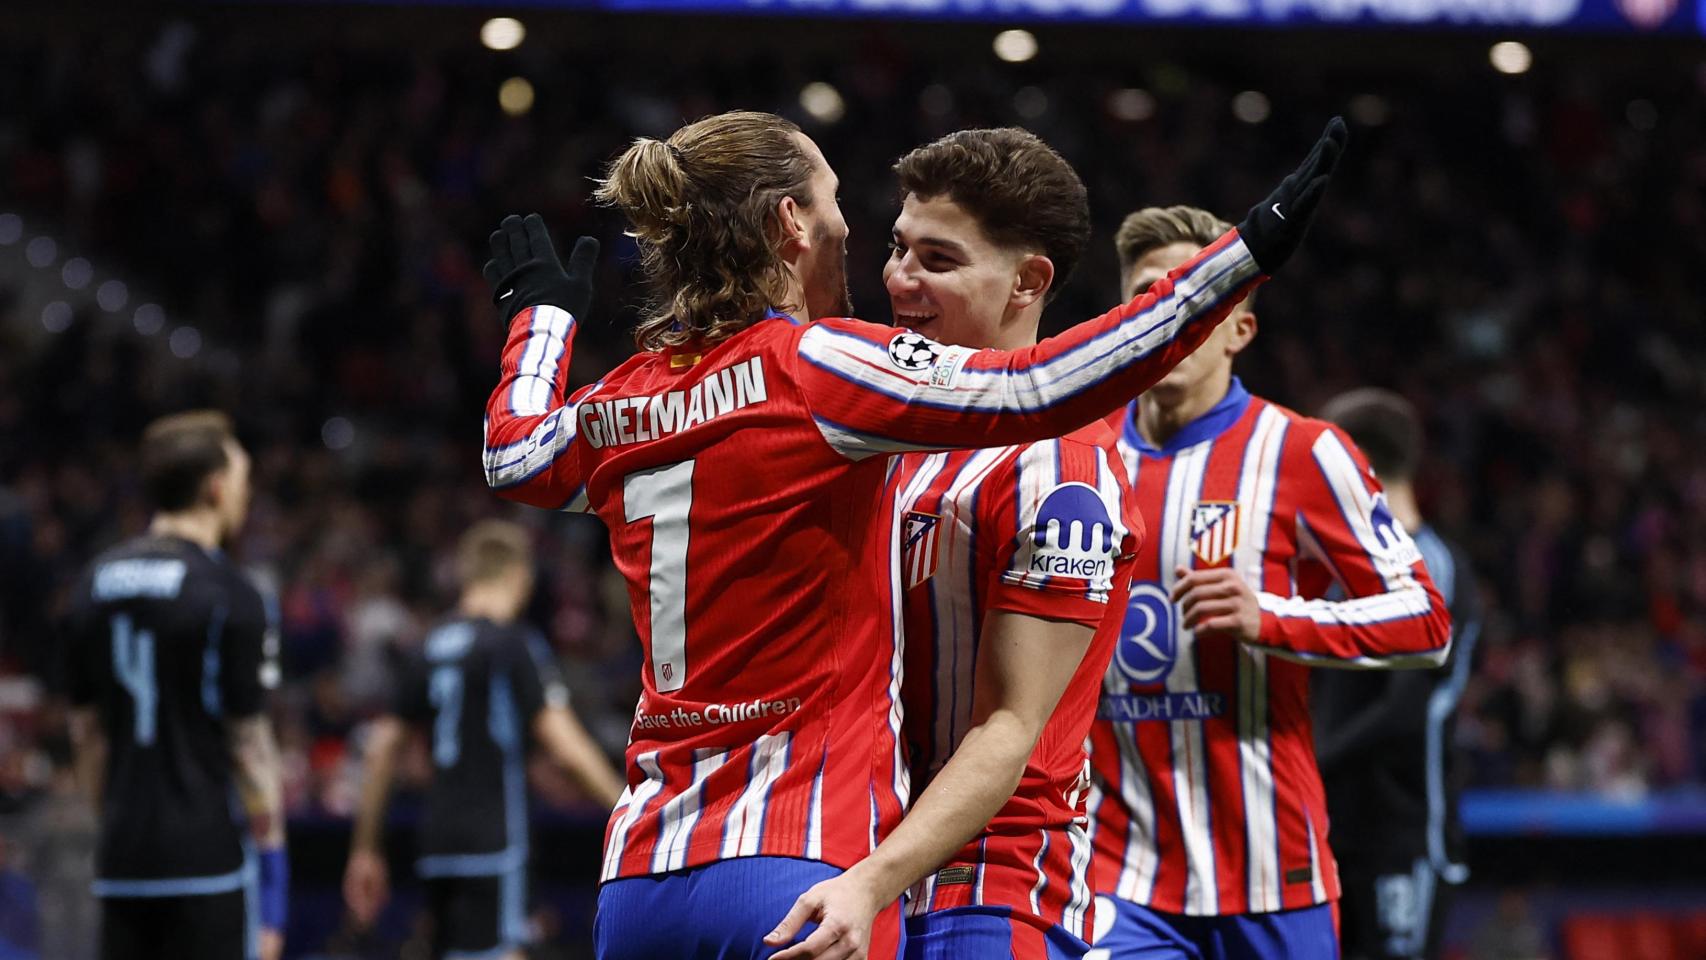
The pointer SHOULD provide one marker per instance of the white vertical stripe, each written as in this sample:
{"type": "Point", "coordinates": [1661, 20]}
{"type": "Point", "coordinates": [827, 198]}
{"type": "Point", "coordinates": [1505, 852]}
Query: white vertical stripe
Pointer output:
{"type": "Point", "coordinates": [1317, 883]}
{"type": "Point", "coordinates": [743, 828]}
{"type": "Point", "coordinates": [814, 814]}
{"type": "Point", "coordinates": [1357, 504]}
{"type": "Point", "coordinates": [952, 601]}
{"type": "Point", "coordinates": [681, 813]}
{"type": "Point", "coordinates": [637, 797]}
{"type": "Point", "coordinates": [897, 632]}
{"type": "Point", "coordinates": [1142, 856]}
{"type": "Point", "coordinates": [1190, 760]}
{"type": "Point", "coordinates": [1257, 484]}
{"type": "Point", "coordinates": [1042, 877]}
{"type": "Point", "coordinates": [1082, 897]}
{"type": "Point", "coordinates": [530, 393]}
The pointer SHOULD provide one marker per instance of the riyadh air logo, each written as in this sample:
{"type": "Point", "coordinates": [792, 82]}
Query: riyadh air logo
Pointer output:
{"type": "Point", "coordinates": [1148, 647]}
{"type": "Point", "coordinates": [913, 352]}
{"type": "Point", "coordinates": [1074, 536]}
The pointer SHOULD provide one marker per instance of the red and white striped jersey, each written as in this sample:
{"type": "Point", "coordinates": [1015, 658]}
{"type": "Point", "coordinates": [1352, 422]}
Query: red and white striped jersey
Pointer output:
{"type": "Point", "coordinates": [743, 485]}
{"type": "Point", "coordinates": [1205, 797]}
{"type": "Point", "coordinates": [1047, 529]}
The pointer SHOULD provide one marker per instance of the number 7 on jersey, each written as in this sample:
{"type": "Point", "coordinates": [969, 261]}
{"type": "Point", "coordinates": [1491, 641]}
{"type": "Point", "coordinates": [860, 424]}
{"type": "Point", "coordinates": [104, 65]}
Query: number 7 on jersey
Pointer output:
{"type": "Point", "coordinates": [665, 494]}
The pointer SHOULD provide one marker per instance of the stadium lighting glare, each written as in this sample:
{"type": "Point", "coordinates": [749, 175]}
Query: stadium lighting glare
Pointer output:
{"type": "Point", "coordinates": [502, 33]}
{"type": "Point", "coordinates": [1370, 110]}
{"type": "Point", "coordinates": [1131, 105]}
{"type": "Point", "coordinates": [56, 317]}
{"type": "Point", "coordinates": [11, 228]}
{"type": "Point", "coordinates": [149, 319]}
{"type": "Point", "coordinates": [112, 295]}
{"type": "Point", "coordinates": [1015, 46]}
{"type": "Point", "coordinates": [77, 273]}
{"type": "Point", "coordinates": [185, 342]}
{"type": "Point", "coordinates": [41, 252]}
{"type": "Point", "coordinates": [1510, 57]}
{"type": "Point", "coordinates": [515, 96]}
{"type": "Point", "coordinates": [823, 102]}
{"type": "Point", "coordinates": [1251, 106]}
{"type": "Point", "coordinates": [337, 433]}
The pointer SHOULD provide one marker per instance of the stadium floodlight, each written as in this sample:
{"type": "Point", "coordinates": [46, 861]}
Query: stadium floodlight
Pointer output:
{"type": "Point", "coordinates": [77, 273]}
{"type": "Point", "coordinates": [515, 96]}
{"type": "Point", "coordinates": [1251, 106]}
{"type": "Point", "coordinates": [1131, 104]}
{"type": "Point", "coordinates": [112, 295]}
{"type": "Point", "coordinates": [1015, 46]}
{"type": "Point", "coordinates": [823, 102]}
{"type": "Point", "coordinates": [56, 316]}
{"type": "Point", "coordinates": [502, 33]}
{"type": "Point", "coordinates": [185, 342]}
{"type": "Point", "coordinates": [11, 228]}
{"type": "Point", "coordinates": [149, 319]}
{"type": "Point", "coordinates": [1510, 57]}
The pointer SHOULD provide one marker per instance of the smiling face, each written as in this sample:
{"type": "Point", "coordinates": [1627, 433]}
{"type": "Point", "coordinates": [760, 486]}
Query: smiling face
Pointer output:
{"type": "Point", "coordinates": [949, 281]}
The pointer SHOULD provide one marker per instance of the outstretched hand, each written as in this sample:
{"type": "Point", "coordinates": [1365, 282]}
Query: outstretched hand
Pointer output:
{"type": "Point", "coordinates": [524, 270]}
{"type": "Point", "coordinates": [1274, 228]}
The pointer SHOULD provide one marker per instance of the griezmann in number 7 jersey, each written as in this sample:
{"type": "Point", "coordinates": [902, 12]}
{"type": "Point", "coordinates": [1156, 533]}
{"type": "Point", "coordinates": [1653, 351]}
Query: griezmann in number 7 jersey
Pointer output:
{"type": "Point", "coordinates": [739, 460]}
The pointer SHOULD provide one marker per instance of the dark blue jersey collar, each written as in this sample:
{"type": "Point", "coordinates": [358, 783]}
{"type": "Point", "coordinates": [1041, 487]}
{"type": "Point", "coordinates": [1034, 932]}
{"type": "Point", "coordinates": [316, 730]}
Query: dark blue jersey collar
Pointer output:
{"type": "Point", "coordinates": [1211, 424]}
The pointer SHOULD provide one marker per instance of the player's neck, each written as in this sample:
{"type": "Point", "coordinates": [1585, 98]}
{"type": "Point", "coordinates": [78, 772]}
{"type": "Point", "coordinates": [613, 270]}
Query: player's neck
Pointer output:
{"type": "Point", "coordinates": [1401, 497]}
{"type": "Point", "coordinates": [494, 602]}
{"type": "Point", "coordinates": [1161, 414]}
{"type": "Point", "coordinates": [200, 527]}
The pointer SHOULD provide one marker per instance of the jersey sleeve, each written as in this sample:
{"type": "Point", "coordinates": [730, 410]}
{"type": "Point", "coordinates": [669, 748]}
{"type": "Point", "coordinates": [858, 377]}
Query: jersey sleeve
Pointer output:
{"type": "Point", "coordinates": [1061, 509]}
{"type": "Point", "coordinates": [1391, 614]}
{"type": "Point", "coordinates": [248, 652]}
{"type": "Point", "coordinates": [876, 390]}
{"type": "Point", "coordinates": [538, 680]}
{"type": "Point", "coordinates": [531, 419]}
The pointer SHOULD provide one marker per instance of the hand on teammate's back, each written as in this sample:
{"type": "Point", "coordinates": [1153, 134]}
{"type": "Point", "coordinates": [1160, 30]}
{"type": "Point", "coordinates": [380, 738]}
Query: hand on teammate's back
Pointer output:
{"type": "Point", "coordinates": [843, 908]}
{"type": "Point", "coordinates": [524, 270]}
{"type": "Point", "coordinates": [1274, 228]}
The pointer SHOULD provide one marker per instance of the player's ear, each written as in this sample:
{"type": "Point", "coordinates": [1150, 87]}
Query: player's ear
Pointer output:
{"type": "Point", "coordinates": [1032, 279]}
{"type": "Point", "coordinates": [1243, 324]}
{"type": "Point", "coordinates": [791, 231]}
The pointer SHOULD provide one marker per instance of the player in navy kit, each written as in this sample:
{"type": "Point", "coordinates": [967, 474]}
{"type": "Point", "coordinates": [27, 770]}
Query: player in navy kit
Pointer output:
{"type": "Point", "coordinates": [1384, 740]}
{"type": "Point", "coordinates": [170, 660]}
{"type": "Point", "coordinates": [483, 688]}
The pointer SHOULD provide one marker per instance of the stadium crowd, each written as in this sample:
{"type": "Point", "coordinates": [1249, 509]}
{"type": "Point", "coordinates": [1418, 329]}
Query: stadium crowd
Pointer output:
{"type": "Point", "coordinates": [310, 223]}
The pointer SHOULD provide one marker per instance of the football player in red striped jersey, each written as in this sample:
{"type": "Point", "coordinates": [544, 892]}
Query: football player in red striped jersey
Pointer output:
{"type": "Point", "coordinates": [739, 461]}
{"type": "Point", "coordinates": [1015, 563]}
{"type": "Point", "coordinates": [1272, 550]}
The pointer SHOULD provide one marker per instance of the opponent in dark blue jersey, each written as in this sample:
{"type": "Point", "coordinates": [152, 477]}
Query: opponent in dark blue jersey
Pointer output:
{"type": "Point", "coordinates": [170, 658]}
{"type": "Point", "coordinates": [481, 688]}
{"type": "Point", "coordinates": [1384, 740]}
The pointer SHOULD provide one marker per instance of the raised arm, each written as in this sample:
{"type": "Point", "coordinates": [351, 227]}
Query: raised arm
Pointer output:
{"type": "Point", "coordinates": [530, 417]}
{"type": "Point", "coordinates": [875, 390]}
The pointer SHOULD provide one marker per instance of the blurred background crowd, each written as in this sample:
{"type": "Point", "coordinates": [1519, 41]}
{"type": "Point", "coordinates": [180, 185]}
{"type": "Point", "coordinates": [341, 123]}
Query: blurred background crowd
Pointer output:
{"type": "Point", "coordinates": [289, 225]}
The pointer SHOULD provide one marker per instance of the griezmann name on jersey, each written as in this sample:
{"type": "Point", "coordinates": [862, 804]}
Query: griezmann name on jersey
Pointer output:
{"type": "Point", "coordinates": [742, 483]}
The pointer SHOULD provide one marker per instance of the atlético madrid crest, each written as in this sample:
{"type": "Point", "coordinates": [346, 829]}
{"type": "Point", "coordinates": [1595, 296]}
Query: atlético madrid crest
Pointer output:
{"type": "Point", "coordinates": [918, 546]}
{"type": "Point", "coordinates": [1214, 531]}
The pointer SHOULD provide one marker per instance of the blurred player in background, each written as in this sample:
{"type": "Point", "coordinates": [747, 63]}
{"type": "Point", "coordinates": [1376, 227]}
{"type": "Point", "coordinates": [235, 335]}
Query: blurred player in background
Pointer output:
{"type": "Point", "coordinates": [170, 660]}
{"type": "Point", "coordinates": [1208, 819]}
{"type": "Point", "coordinates": [484, 687]}
{"type": "Point", "coordinates": [739, 461]}
{"type": "Point", "coordinates": [1015, 561]}
{"type": "Point", "coordinates": [1384, 740]}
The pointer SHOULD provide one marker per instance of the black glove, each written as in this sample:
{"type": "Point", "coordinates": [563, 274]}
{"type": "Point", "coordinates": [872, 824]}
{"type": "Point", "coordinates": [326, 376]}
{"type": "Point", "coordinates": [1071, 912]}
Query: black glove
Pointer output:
{"type": "Point", "coordinates": [524, 270]}
{"type": "Point", "coordinates": [1274, 228]}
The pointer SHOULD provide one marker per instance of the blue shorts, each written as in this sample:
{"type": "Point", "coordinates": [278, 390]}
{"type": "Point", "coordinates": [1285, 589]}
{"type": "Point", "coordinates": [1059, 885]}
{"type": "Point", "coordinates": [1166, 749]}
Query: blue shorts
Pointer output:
{"type": "Point", "coordinates": [720, 911]}
{"type": "Point", "coordinates": [986, 933]}
{"type": "Point", "coordinates": [1126, 931]}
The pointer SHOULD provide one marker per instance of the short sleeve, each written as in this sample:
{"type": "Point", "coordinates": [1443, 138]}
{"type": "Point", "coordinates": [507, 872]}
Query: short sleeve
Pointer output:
{"type": "Point", "coordinates": [248, 650]}
{"type": "Point", "coordinates": [1061, 509]}
{"type": "Point", "coordinates": [538, 680]}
